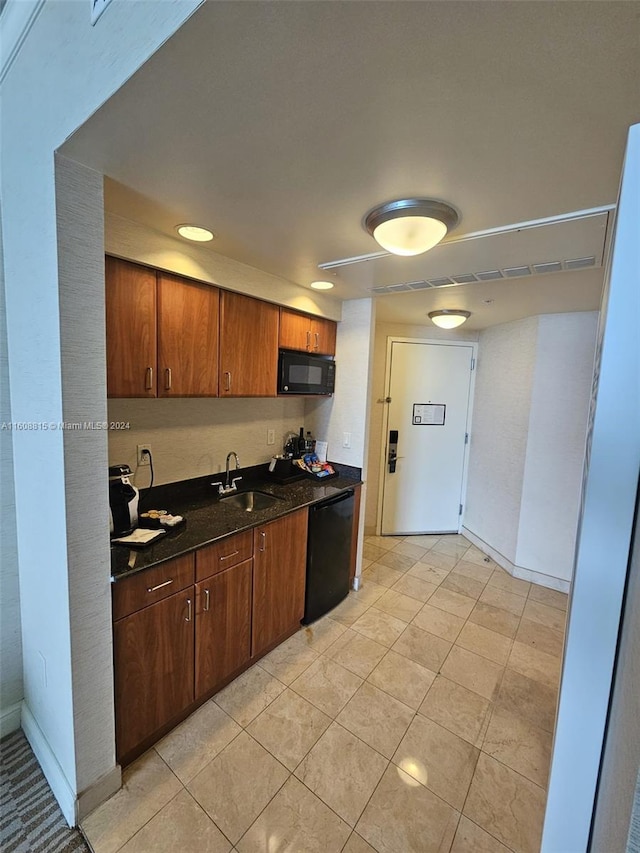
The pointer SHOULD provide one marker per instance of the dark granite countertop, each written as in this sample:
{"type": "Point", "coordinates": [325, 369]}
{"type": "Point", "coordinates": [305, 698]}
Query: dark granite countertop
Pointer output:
{"type": "Point", "coordinates": [209, 519]}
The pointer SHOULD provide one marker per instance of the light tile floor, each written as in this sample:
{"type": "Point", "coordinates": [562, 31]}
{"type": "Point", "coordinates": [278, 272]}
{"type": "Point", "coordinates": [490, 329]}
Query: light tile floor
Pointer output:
{"type": "Point", "coordinates": [416, 716]}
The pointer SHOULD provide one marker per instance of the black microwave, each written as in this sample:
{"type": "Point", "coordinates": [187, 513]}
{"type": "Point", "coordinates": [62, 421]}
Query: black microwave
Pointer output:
{"type": "Point", "coordinates": [302, 373]}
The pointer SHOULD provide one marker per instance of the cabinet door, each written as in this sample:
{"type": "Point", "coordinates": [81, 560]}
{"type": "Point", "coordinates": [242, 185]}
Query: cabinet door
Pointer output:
{"type": "Point", "coordinates": [295, 330]}
{"type": "Point", "coordinates": [188, 319]}
{"type": "Point", "coordinates": [248, 346]}
{"type": "Point", "coordinates": [323, 336]}
{"type": "Point", "coordinates": [153, 664]}
{"type": "Point", "coordinates": [130, 295]}
{"type": "Point", "coordinates": [223, 625]}
{"type": "Point", "coordinates": [279, 569]}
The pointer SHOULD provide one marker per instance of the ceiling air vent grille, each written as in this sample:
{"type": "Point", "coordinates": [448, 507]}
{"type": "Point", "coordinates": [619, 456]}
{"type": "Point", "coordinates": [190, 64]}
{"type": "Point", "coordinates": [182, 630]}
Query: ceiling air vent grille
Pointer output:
{"type": "Point", "coordinates": [580, 263]}
{"type": "Point", "coordinates": [490, 275]}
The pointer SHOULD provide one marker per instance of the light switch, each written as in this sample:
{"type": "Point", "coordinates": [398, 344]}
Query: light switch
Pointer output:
{"type": "Point", "coordinates": [271, 436]}
{"type": "Point", "coordinates": [346, 439]}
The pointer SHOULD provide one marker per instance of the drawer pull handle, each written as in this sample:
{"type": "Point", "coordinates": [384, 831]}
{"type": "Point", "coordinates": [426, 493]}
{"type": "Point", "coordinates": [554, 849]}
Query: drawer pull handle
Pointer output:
{"type": "Point", "coordinates": [263, 541]}
{"type": "Point", "coordinates": [159, 586]}
{"type": "Point", "coordinates": [148, 385]}
{"type": "Point", "coordinates": [206, 601]}
{"type": "Point", "coordinates": [167, 383]}
{"type": "Point", "coordinates": [229, 556]}
{"type": "Point", "coordinates": [188, 618]}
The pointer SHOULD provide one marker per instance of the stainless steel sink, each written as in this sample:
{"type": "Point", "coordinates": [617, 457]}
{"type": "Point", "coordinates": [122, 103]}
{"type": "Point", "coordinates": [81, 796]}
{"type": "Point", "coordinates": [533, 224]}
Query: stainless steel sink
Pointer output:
{"type": "Point", "coordinates": [250, 501]}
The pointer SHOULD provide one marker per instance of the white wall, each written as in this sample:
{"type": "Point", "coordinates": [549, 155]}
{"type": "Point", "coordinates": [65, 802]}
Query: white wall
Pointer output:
{"type": "Point", "coordinates": [557, 433]}
{"type": "Point", "coordinates": [499, 433]}
{"type": "Point", "coordinates": [11, 690]}
{"type": "Point", "coordinates": [527, 443]}
{"type": "Point", "coordinates": [377, 406]}
{"type": "Point", "coordinates": [64, 71]}
{"type": "Point", "coordinates": [604, 538]}
{"type": "Point", "coordinates": [346, 411]}
{"type": "Point", "coordinates": [191, 437]}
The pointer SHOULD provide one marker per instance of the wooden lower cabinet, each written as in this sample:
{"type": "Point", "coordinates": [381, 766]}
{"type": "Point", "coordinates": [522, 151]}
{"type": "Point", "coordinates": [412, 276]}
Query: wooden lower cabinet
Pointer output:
{"type": "Point", "coordinates": [279, 572]}
{"type": "Point", "coordinates": [223, 626]}
{"type": "Point", "coordinates": [154, 672]}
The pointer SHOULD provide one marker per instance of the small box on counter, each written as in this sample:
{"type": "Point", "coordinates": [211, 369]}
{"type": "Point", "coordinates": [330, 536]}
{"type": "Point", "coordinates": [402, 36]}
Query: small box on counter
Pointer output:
{"type": "Point", "coordinates": [314, 468]}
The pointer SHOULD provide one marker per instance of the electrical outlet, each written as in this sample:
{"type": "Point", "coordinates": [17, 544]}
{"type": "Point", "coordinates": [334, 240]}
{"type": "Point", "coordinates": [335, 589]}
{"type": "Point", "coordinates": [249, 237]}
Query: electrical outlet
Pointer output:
{"type": "Point", "coordinates": [143, 454]}
{"type": "Point", "coordinates": [271, 436]}
{"type": "Point", "coordinates": [346, 439]}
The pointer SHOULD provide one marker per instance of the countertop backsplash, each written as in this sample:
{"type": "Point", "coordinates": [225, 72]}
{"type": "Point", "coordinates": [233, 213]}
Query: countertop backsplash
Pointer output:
{"type": "Point", "coordinates": [190, 437]}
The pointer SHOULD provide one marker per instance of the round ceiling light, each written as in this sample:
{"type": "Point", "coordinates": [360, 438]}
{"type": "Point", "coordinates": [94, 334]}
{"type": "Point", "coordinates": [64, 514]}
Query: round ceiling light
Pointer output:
{"type": "Point", "coordinates": [449, 318]}
{"type": "Point", "coordinates": [322, 285]}
{"type": "Point", "coordinates": [410, 226]}
{"type": "Point", "coordinates": [195, 232]}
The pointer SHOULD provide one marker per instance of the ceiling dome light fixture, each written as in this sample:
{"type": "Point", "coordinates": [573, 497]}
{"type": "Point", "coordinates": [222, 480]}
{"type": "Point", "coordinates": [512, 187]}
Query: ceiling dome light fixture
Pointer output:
{"type": "Point", "coordinates": [410, 226]}
{"type": "Point", "coordinates": [195, 232]}
{"type": "Point", "coordinates": [449, 318]}
{"type": "Point", "coordinates": [322, 285]}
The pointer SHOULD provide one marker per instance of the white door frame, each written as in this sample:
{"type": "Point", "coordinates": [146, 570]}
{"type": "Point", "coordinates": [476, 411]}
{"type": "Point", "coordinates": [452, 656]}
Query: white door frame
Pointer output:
{"type": "Point", "coordinates": [391, 339]}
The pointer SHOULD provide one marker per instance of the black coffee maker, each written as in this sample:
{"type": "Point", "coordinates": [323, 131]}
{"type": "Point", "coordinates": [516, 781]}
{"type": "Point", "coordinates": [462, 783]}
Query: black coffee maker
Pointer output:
{"type": "Point", "coordinates": [123, 501]}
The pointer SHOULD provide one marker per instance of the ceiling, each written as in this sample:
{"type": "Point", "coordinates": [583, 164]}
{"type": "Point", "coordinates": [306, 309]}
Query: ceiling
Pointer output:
{"type": "Point", "coordinates": [278, 125]}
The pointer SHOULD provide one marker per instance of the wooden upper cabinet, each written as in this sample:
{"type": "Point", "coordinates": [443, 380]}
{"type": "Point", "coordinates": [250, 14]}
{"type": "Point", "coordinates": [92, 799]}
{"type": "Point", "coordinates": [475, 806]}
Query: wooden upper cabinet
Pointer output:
{"type": "Point", "coordinates": [130, 296]}
{"type": "Point", "coordinates": [279, 575]}
{"type": "Point", "coordinates": [248, 346]}
{"type": "Point", "coordinates": [307, 333]}
{"type": "Point", "coordinates": [188, 320]}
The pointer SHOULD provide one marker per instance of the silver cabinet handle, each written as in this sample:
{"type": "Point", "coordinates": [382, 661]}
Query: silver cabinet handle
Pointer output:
{"type": "Point", "coordinates": [159, 586]}
{"type": "Point", "coordinates": [188, 617]}
{"type": "Point", "coordinates": [233, 553]}
{"type": "Point", "coordinates": [167, 379]}
{"type": "Point", "coordinates": [206, 601]}
{"type": "Point", "coordinates": [227, 381]}
{"type": "Point", "coordinates": [308, 339]}
{"type": "Point", "coordinates": [317, 346]}
{"type": "Point", "coordinates": [148, 381]}
{"type": "Point", "coordinates": [263, 541]}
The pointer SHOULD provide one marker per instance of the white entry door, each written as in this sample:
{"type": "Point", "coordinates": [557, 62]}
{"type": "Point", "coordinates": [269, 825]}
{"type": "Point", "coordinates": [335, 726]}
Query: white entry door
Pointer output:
{"type": "Point", "coordinates": [430, 389]}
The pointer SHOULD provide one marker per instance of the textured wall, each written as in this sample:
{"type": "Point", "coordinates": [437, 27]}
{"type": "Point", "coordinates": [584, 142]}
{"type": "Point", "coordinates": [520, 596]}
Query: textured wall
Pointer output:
{"type": "Point", "coordinates": [377, 407]}
{"type": "Point", "coordinates": [191, 437]}
{"type": "Point", "coordinates": [11, 690]}
{"type": "Point", "coordinates": [562, 382]}
{"type": "Point", "coordinates": [499, 433]}
{"type": "Point", "coordinates": [347, 411]}
{"type": "Point", "coordinates": [65, 69]}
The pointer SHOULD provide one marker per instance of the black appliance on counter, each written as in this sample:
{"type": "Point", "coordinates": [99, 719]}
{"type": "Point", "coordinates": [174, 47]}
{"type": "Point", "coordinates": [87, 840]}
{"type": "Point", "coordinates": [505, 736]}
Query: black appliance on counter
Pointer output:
{"type": "Point", "coordinates": [328, 554]}
{"type": "Point", "coordinates": [304, 373]}
{"type": "Point", "coordinates": [123, 501]}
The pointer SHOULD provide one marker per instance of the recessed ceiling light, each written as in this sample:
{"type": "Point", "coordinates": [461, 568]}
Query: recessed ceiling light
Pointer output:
{"type": "Point", "coordinates": [449, 318]}
{"type": "Point", "coordinates": [195, 232]}
{"type": "Point", "coordinates": [322, 285]}
{"type": "Point", "coordinates": [410, 226]}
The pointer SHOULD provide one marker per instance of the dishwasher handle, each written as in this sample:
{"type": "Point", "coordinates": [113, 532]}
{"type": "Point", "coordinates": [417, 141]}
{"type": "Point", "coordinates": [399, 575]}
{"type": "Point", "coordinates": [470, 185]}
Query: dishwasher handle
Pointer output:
{"type": "Point", "coordinates": [344, 496]}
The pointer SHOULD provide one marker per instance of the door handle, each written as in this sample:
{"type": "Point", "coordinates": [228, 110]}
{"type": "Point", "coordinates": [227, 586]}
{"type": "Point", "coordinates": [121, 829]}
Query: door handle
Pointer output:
{"type": "Point", "coordinates": [188, 617]}
{"type": "Point", "coordinates": [227, 380]}
{"type": "Point", "coordinates": [393, 450]}
{"type": "Point", "coordinates": [308, 339]}
{"type": "Point", "coordinates": [317, 346]}
{"type": "Point", "coordinates": [263, 541]}
{"type": "Point", "coordinates": [167, 379]}
{"type": "Point", "coordinates": [148, 384]}
{"type": "Point", "coordinates": [206, 601]}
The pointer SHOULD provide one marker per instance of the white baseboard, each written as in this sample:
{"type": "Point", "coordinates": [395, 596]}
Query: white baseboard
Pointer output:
{"type": "Point", "coordinates": [73, 808]}
{"type": "Point", "coordinates": [516, 571]}
{"type": "Point", "coordinates": [52, 770]}
{"type": "Point", "coordinates": [10, 719]}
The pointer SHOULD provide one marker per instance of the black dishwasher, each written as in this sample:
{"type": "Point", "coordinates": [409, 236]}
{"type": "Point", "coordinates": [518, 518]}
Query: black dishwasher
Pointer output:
{"type": "Point", "coordinates": [328, 554]}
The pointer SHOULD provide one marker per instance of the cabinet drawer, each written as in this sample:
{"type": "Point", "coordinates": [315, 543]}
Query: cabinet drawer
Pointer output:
{"type": "Point", "coordinates": [224, 554]}
{"type": "Point", "coordinates": [131, 594]}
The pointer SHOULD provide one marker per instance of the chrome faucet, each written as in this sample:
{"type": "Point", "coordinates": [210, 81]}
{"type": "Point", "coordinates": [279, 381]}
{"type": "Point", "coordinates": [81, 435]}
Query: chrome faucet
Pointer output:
{"type": "Point", "coordinates": [230, 483]}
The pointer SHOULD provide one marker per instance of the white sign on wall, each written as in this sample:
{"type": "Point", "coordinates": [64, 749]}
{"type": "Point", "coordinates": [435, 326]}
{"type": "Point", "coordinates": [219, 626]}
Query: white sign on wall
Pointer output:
{"type": "Point", "coordinates": [97, 8]}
